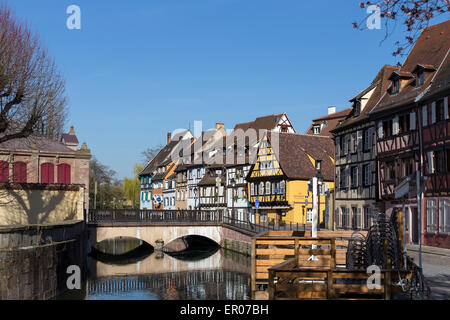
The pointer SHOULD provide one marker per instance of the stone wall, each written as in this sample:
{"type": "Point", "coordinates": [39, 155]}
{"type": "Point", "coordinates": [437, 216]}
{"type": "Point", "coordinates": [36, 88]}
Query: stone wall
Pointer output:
{"type": "Point", "coordinates": [34, 259]}
{"type": "Point", "coordinates": [24, 204]}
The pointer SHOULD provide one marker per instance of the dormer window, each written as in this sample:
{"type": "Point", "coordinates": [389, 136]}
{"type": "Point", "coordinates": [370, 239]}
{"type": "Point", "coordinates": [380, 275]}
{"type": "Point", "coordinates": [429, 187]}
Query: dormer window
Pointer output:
{"type": "Point", "coordinates": [396, 86]}
{"type": "Point", "coordinates": [420, 77]}
{"type": "Point", "coordinates": [357, 108]}
{"type": "Point", "coordinates": [316, 129]}
{"type": "Point", "coordinates": [318, 165]}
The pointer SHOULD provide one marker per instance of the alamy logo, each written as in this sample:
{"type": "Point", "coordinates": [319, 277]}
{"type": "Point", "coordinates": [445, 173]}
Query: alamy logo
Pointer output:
{"type": "Point", "coordinates": [374, 20]}
{"type": "Point", "coordinates": [374, 281]}
{"type": "Point", "coordinates": [74, 20]}
{"type": "Point", "coordinates": [74, 280]}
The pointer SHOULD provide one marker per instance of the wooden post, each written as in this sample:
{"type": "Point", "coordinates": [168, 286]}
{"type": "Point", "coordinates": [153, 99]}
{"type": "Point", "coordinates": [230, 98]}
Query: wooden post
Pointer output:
{"type": "Point", "coordinates": [333, 254]}
{"type": "Point", "coordinates": [387, 285]}
{"type": "Point", "coordinates": [253, 270]}
{"type": "Point", "coordinates": [296, 248]}
{"type": "Point", "coordinates": [330, 291]}
{"type": "Point", "coordinates": [271, 285]}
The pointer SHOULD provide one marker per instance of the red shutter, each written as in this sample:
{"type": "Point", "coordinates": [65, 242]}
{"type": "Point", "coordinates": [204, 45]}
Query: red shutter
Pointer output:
{"type": "Point", "coordinates": [67, 174]}
{"type": "Point", "coordinates": [47, 173]}
{"type": "Point", "coordinates": [64, 174]}
{"type": "Point", "coordinates": [20, 172]}
{"type": "Point", "coordinates": [4, 171]}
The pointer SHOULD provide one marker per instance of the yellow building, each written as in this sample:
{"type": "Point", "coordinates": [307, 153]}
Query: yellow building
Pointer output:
{"type": "Point", "coordinates": [278, 181]}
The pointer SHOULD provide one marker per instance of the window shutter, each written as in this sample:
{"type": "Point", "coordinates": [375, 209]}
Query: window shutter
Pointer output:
{"type": "Point", "coordinates": [412, 121]}
{"type": "Point", "coordinates": [425, 116]}
{"type": "Point", "coordinates": [430, 162]}
{"type": "Point", "coordinates": [360, 140]}
{"type": "Point", "coordinates": [338, 146]}
{"type": "Point", "coordinates": [338, 176]}
{"type": "Point", "coordinates": [446, 107]}
{"type": "Point", "coordinates": [358, 218]}
{"type": "Point", "coordinates": [433, 112]}
{"type": "Point", "coordinates": [4, 171]}
{"type": "Point", "coordinates": [395, 127]}
{"type": "Point", "coordinates": [360, 175]}
{"type": "Point", "coordinates": [371, 129]}
{"type": "Point", "coordinates": [380, 130]}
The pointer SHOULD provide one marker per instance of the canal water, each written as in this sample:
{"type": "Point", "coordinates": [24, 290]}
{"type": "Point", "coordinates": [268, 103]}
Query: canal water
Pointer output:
{"type": "Point", "coordinates": [127, 269]}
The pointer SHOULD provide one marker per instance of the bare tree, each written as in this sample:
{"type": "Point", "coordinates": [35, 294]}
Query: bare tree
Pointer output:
{"type": "Point", "coordinates": [149, 153]}
{"type": "Point", "coordinates": [32, 90]}
{"type": "Point", "coordinates": [415, 15]}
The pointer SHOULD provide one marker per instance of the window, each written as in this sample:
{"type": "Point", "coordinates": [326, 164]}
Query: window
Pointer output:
{"type": "Point", "coordinates": [440, 115]}
{"type": "Point", "coordinates": [252, 186]}
{"type": "Point", "coordinates": [404, 123]}
{"type": "Point", "coordinates": [421, 78]}
{"type": "Point", "coordinates": [318, 165]}
{"type": "Point", "coordinates": [64, 173]}
{"type": "Point", "coordinates": [282, 187]}
{"type": "Point", "coordinates": [390, 170]}
{"type": "Point", "coordinates": [448, 160]}
{"type": "Point", "coordinates": [20, 172]}
{"type": "Point", "coordinates": [267, 187]}
{"type": "Point", "coordinates": [261, 188]}
{"type": "Point", "coordinates": [343, 180]}
{"type": "Point", "coordinates": [357, 108]}
{"type": "Point", "coordinates": [4, 171]}
{"type": "Point", "coordinates": [309, 217]}
{"type": "Point", "coordinates": [431, 215]}
{"type": "Point", "coordinates": [366, 173]}
{"type": "Point", "coordinates": [407, 167]}
{"type": "Point", "coordinates": [345, 217]}
{"type": "Point", "coordinates": [444, 215]}
{"type": "Point", "coordinates": [396, 86]}
{"type": "Point", "coordinates": [367, 217]}
{"type": "Point", "coordinates": [439, 161]}
{"type": "Point", "coordinates": [342, 145]}
{"type": "Point", "coordinates": [47, 173]}
{"type": "Point", "coordinates": [354, 171]}
{"type": "Point", "coordinates": [387, 128]}
{"type": "Point", "coordinates": [316, 129]}
{"type": "Point", "coordinates": [354, 143]}
{"type": "Point", "coordinates": [366, 142]}
{"type": "Point", "coordinates": [354, 218]}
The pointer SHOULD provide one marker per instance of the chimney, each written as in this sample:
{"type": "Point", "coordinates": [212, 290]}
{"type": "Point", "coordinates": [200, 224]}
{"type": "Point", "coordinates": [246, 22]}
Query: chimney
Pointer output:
{"type": "Point", "coordinates": [72, 131]}
{"type": "Point", "coordinates": [219, 126]}
{"type": "Point", "coordinates": [331, 110]}
{"type": "Point", "coordinates": [169, 137]}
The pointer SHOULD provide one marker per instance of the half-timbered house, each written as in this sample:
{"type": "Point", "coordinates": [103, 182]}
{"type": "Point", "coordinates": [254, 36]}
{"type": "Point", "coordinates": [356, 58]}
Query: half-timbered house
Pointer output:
{"type": "Point", "coordinates": [356, 171]}
{"type": "Point", "coordinates": [412, 121]}
{"type": "Point", "coordinates": [278, 181]}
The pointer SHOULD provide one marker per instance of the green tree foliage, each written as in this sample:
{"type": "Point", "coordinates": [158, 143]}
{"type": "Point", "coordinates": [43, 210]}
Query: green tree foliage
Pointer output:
{"type": "Point", "coordinates": [110, 193]}
{"type": "Point", "coordinates": [131, 187]}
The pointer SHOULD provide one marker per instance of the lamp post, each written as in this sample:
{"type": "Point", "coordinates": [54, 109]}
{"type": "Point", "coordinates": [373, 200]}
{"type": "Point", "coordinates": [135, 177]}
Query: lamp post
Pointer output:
{"type": "Point", "coordinates": [316, 180]}
{"type": "Point", "coordinates": [233, 184]}
{"type": "Point", "coordinates": [195, 198]}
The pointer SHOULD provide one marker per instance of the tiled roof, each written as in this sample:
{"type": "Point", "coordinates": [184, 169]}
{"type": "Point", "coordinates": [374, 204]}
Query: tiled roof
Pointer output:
{"type": "Point", "coordinates": [70, 139]}
{"type": "Point", "coordinates": [380, 83]}
{"type": "Point", "coordinates": [431, 48]}
{"type": "Point", "coordinates": [293, 155]}
{"type": "Point", "coordinates": [332, 121]}
{"type": "Point", "coordinates": [34, 141]}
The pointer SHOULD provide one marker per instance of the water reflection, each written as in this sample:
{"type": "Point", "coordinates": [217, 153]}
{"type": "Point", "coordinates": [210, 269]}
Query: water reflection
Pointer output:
{"type": "Point", "coordinates": [200, 273]}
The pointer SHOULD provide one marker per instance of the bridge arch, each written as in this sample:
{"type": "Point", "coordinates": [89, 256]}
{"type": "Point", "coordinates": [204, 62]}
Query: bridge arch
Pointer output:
{"type": "Point", "coordinates": [152, 234]}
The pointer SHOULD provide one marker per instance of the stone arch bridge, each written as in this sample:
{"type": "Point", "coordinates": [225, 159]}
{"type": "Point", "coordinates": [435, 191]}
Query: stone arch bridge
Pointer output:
{"type": "Point", "coordinates": [161, 227]}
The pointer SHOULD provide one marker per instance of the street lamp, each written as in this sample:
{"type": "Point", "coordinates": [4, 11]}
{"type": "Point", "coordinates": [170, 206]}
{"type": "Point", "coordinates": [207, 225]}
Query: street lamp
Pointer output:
{"type": "Point", "coordinates": [316, 181]}
{"type": "Point", "coordinates": [233, 184]}
{"type": "Point", "coordinates": [195, 198]}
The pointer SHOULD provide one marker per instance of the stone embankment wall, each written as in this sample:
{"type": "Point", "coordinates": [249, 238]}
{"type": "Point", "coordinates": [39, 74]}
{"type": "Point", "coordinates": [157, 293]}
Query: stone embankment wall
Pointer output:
{"type": "Point", "coordinates": [34, 259]}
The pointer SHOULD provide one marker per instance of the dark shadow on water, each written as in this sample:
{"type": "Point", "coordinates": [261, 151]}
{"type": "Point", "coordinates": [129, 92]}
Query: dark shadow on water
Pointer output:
{"type": "Point", "coordinates": [134, 256]}
{"type": "Point", "coordinates": [199, 248]}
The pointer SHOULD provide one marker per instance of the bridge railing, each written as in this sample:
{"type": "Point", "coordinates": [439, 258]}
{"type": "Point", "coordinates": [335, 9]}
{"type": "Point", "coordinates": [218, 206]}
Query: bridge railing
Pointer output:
{"type": "Point", "coordinates": [154, 216]}
{"type": "Point", "coordinates": [161, 217]}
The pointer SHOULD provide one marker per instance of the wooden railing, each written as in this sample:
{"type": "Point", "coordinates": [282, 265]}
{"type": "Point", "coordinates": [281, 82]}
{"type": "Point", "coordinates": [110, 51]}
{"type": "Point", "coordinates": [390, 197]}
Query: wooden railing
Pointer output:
{"type": "Point", "coordinates": [276, 246]}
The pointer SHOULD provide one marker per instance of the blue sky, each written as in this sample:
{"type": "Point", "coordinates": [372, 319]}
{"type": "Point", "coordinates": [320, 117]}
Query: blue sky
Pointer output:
{"type": "Point", "coordinates": [138, 69]}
